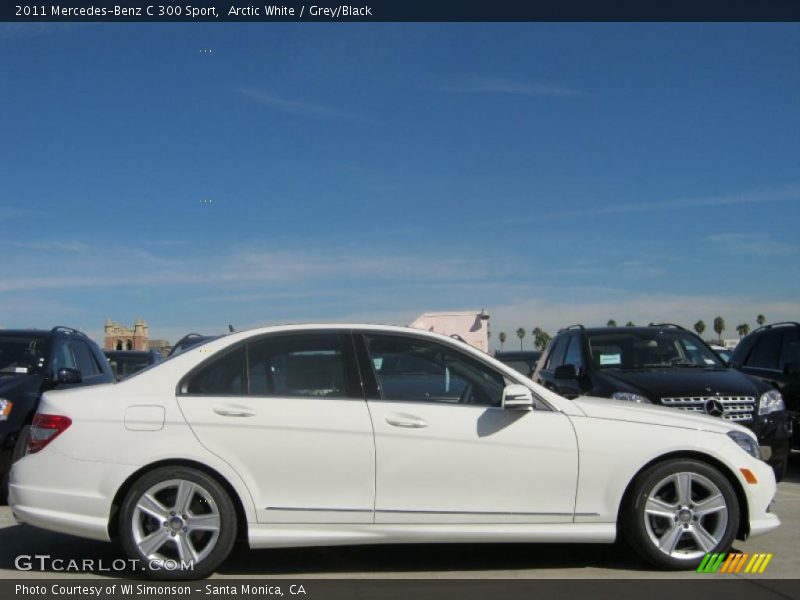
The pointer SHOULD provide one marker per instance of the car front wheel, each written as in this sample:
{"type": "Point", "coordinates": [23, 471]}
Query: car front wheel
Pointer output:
{"type": "Point", "coordinates": [681, 510]}
{"type": "Point", "coordinates": [177, 523]}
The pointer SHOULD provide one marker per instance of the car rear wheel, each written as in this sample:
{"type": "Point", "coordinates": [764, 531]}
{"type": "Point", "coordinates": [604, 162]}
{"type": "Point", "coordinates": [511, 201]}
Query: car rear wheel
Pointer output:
{"type": "Point", "coordinates": [177, 523]}
{"type": "Point", "coordinates": [679, 511]}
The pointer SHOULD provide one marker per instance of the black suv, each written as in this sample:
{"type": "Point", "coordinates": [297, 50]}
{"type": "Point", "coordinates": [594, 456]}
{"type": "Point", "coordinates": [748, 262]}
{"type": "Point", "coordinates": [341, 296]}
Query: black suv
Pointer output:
{"type": "Point", "coordinates": [31, 362]}
{"type": "Point", "coordinates": [128, 362]}
{"type": "Point", "coordinates": [523, 361]}
{"type": "Point", "coordinates": [666, 365]}
{"type": "Point", "coordinates": [772, 353]}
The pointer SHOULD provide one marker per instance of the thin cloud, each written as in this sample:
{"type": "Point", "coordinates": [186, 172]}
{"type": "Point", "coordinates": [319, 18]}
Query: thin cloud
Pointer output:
{"type": "Point", "coordinates": [786, 193]}
{"type": "Point", "coordinates": [515, 88]}
{"type": "Point", "coordinates": [296, 107]}
{"type": "Point", "coordinates": [758, 244]}
{"type": "Point", "coordinates": [10, 212]}
{"type": "Point", "coordinates": [51, 246]}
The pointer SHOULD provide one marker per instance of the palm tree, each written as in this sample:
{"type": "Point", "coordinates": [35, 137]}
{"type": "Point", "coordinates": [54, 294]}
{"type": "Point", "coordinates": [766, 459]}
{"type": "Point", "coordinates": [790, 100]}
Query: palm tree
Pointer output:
{"type": "Point", "coordinates": [536, 333]}
{"type": "Point", "coordinates": [719, 327]}
{"type": "Point", "coordinates": [743, 330]}
{"type": "Point", "coordinates": [700, 327]}
{"type": "Point", "coordinates": [544, 339]}
{"type": "Point", "coordinates": [611, 323]}
{"type": "Point", "coordinates": [521, 336]}
{"type": "Point", "coordinates": [761, 319]}
{"type": "Point", "coordinates": [540, 338]}
{"type": "Point", "coordinates": [502, 338]}
{"type": "Point", "coordinates": [630, 324]}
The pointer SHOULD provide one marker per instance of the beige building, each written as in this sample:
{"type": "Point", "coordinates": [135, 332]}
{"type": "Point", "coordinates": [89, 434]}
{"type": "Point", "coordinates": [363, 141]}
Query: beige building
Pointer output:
{"type": "Point", "coordinates": [118, 337]}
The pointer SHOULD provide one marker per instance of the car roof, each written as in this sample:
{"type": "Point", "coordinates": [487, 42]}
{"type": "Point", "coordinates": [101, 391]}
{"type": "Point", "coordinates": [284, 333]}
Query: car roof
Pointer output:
{"type": "Point", "coordinates": [25, 332]}
{"type": "Point", "coordinates": [518, 354]}
{"type": "Point", "coordinates": [596, 330]}
{"type": "Point", "coordinates": [129, 352]}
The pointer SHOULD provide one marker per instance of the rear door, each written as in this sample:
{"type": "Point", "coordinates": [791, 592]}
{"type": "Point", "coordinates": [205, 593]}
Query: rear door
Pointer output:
{"type": "Point", "coordinates": [287, 412]}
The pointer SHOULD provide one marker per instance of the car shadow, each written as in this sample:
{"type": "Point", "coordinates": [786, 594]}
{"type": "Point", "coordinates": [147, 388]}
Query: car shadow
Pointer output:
{"type": "Point", "coordinates": [392, 559]}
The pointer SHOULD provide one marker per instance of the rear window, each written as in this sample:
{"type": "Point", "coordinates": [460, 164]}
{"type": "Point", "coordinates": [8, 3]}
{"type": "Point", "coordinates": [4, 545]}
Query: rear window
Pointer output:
{"type": "Point", "coordinates": [23, 354]}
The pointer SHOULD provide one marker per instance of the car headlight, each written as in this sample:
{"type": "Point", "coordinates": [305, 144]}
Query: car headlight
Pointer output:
{"type": "Point", "coordinates": [770, 402]}
{"type": "Point", "coordinates": [630, 397]}
{"type": "Point", "coordinates": [5, 409]}
{"type": "Point", "coordinates": [745, 442]}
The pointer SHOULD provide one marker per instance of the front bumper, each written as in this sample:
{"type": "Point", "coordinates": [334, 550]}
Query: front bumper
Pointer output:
{"type": "Point", "coordinates": [760, 498]}
{"type": "Point", "coordinates": [775, 431]}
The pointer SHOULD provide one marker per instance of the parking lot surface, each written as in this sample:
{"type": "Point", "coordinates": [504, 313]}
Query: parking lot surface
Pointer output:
{"type": "Point", "coordinates": [554, 561]}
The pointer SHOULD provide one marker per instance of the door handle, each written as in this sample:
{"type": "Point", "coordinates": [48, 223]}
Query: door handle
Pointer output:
{"type": "Point", "coordinates": [233, 412]}
{"type": "Point", "coordinates": [408, 421]}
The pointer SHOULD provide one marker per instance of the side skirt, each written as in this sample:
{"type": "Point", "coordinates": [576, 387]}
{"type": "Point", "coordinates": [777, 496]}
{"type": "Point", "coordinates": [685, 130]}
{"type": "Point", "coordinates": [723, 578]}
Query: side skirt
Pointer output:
{"type": "Point", "coordinates": [278, 535]}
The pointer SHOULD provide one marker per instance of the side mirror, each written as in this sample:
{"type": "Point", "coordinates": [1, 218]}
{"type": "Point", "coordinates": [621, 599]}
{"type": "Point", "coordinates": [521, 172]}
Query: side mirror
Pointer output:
{"type": "Point", "coordinates": [65, 375]}
{"type": "Point", "coordinates": [791, 368]}
{"type": "Point", "coordinates": [565, 372]}
{"type": "Point", "coordinates": [517, 397]}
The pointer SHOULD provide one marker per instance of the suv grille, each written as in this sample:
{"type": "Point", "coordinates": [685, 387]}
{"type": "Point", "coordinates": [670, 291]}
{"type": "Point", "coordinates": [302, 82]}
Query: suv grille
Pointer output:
{"type": "Point", "coordinates": [734, 408]}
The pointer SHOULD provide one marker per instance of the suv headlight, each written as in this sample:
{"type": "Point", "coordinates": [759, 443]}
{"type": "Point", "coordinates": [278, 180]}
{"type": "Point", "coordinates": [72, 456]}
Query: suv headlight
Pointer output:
{"type": "Point", "coordinates": [630, 397]}
{"type": "Point", "coordinates": [5, 409]}
{"type": "Point", "coordinates": [770, 402]}
{"type": "Point", "coordinates": [745, 442]}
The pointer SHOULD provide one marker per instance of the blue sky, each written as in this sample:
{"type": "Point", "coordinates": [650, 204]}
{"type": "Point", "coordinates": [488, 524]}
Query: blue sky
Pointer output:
{"type": "Point", "coordinates": [551, 173]}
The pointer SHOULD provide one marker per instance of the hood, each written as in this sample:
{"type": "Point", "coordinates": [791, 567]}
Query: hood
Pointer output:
{"type": "Point", "coordinates": [652, 414]}
{"type": "Point", "coordinates": [657, 384]}
{"type": "Point", "coordinates": [10, 382]}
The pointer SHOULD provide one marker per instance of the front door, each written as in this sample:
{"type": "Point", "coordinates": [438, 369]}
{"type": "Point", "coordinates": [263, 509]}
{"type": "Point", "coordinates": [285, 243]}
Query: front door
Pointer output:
{"type": "Point", "coordinates": [447, 452]}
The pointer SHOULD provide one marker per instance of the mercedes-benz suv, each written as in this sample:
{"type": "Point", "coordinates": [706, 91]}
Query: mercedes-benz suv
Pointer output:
{"type": "Point", "coordinates": [669, 366]}
{"type": "Point", "coordinates": [33, 361]}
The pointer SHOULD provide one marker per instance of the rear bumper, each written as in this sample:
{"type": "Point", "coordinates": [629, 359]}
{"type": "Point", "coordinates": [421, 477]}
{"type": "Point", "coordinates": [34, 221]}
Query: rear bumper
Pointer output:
{"type": "Point", "coordinates": [52, 491]}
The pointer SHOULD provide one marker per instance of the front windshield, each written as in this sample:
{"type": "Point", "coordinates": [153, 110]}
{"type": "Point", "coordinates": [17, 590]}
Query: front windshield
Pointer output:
{"type": "Point", "coordinates": [650, 349]}
{"type": "Point", "coordinates": [23, 354]}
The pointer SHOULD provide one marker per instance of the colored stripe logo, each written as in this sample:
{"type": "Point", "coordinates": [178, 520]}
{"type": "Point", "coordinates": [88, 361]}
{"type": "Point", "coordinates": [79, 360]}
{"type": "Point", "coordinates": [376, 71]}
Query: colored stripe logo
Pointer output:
{"type": "Point", "coordinates": [734, 563]}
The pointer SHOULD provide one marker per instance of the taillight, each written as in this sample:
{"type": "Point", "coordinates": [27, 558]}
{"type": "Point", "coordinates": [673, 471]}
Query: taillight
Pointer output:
{"type": "Point", "coordinates": [44, 429]}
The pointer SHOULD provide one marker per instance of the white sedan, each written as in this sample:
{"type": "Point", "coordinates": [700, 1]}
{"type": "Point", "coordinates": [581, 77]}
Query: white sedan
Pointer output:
{"type": "Point", "coordinates": [357, 434]}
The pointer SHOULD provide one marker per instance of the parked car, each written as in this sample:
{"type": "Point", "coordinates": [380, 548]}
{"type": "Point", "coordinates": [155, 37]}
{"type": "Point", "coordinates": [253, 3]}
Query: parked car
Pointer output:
{"type": "Point", "coordinates": [723, 352]}
{"type": "Point", "coordinates": [128, 362]}
{"type": "Point", "coordinates": [33, 361]}
{"type": "Point", "coordinates": [190, 341]}
{"type": "Point", "coordinates": [290, 436]}
{"type": "Point", "coordinates": [523, 361]}
{"type": "Point", "coordinates": [772, 353]}
{"type": "Point", "coordinates": [666, 365]}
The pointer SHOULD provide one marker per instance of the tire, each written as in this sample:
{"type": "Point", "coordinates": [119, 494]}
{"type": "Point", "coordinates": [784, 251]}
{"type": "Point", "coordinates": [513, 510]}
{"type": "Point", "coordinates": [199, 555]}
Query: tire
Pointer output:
{"type": "Point", "coordinates": [5, 467]}
{"type": "Point", "coordinates": [9, 458]}
{"type": "Point", "coordinates": [195, 528]}
{"type": "Point", "coordinates": [21, 446]}
{"type": "Point", "coordinates": [668, 529]}
{"type": "Point", "coordinates": [781, 468]}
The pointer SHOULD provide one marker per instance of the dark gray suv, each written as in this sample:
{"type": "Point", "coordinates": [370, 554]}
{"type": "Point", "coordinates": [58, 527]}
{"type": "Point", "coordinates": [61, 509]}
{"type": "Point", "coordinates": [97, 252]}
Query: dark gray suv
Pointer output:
{"type": "Point", "coordinates": [33, 361]}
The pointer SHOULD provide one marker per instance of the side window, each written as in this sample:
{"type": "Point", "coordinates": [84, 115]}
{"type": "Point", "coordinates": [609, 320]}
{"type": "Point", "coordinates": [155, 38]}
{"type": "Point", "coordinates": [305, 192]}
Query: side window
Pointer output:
{"type": "Point", "coordinates": [223, 376]}
{"type": "Point", "coordinates": [574, 355]}
{"type": "Point", "coordinates": [319, 366]}
{"type": "Point", "coordinates": [417, 370]}
{"type": "Point", "coordinates": [766, 353]}
{"type": "Point", "coordinates": [62, 357]}
{"type": "Point", "coordinates": [556, 358]}
{"type": "Point", "coordinates": [790, 350]}
{"type": "Point", "coordinates": [84, 358]}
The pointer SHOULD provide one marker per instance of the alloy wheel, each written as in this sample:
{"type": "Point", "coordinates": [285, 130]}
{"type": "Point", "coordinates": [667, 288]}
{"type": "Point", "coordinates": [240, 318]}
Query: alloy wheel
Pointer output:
{"type": "Point", "coordinates": [685, 515]}
{"type": "Point", "coordinates": [177, 520]}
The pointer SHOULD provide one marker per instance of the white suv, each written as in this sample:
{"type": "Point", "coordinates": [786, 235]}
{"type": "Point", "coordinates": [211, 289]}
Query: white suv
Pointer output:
{"type": "Point", "coordinates": [357, 434]}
